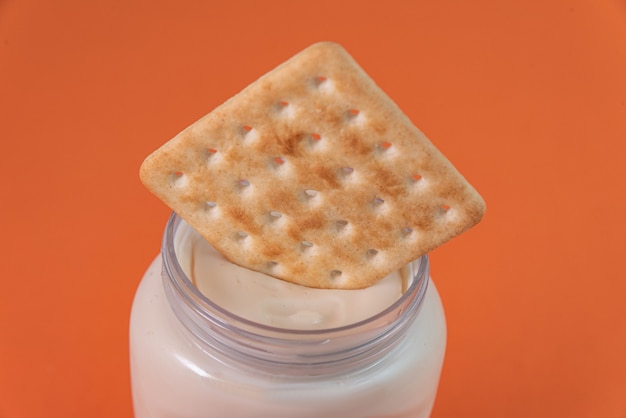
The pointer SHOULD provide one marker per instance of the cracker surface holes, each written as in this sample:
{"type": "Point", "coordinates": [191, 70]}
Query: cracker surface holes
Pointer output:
{"type": "Point", "coordinates": [386, 150]}
{"type": "Point", "coordinates": [211, 210]}
{"type": "Point", "coordinates": [248, 133]}
{"type": "Point", "coordinates": [378, 202]}
{"type": "Point", "coordinates": [341, 225]}
{"type": "Point", "coordinates": [446, 211]}
{"type": "Point", "coordinates": [272, 267]}
{"type": "Point", "coordinates": [312, 198]}
{"type": "Point", "coordinates": [347, 175]}
{"type": "Point", "coordinates": [178, 179]}
{"type": "Point", "coordinates": [323, 83]}
{"type": "Point", "coordinates": [211, 156]}
{"type": "Point", "coordinates": [284, 109]}
{"type": "Point", "coordinates": [347, 170]}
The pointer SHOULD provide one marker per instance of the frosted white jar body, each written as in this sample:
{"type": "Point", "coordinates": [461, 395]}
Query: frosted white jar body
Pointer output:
{"type": "Point", "coordinates": [190, 358]}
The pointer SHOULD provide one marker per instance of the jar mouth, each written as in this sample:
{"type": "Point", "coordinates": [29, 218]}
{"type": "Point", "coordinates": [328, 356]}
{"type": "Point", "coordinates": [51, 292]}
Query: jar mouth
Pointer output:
{"type": "Point", "coordinates": [211, 311]}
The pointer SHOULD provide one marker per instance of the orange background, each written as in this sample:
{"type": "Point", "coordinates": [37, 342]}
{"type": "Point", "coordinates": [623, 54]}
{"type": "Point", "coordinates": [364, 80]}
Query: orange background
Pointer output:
{"type": "Point", "coordinates": [526, 98]}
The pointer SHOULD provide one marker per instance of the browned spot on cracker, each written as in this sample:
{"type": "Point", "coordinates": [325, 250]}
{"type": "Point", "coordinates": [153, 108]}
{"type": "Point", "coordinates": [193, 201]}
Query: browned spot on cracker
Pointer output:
{"type": "Point", "coordinates": [326, 174]}
{"type": "Point", "coordinates": [313, 221]}
{"type": "Point", "coordinates": [387, 180]}
{"type": "Point", "coordinates": [243, 218]}
{"type": "Point", "coordinates": [356, 145]}
{"type": "Point", "coordinates": [423, 219]}
{"type": "Point", "coordinates": [306, 224]}
{"type": "Point", "coordinates": [270, 250]}
{"type": "Point", "coordinates": [289, 143]}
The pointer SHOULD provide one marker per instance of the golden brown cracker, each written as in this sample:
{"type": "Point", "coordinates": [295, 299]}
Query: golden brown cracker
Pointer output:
{"type": "Point", "coordinates": [312, 174]}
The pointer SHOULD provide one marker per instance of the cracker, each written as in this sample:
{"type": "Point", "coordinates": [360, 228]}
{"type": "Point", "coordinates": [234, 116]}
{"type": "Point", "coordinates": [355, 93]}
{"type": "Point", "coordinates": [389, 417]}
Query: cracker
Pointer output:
{"type": "Point", "coordinates": [313, 175]}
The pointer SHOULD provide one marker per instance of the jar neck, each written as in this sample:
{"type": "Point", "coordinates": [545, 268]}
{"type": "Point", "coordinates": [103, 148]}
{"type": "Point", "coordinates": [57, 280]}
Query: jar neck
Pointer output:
{"type": "Point", "coordinates": [232, 339]}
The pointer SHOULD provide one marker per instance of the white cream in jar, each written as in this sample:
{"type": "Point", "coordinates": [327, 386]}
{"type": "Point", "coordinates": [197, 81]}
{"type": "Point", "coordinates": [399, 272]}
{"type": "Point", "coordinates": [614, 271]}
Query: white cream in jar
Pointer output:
{"type": "Point", "coordinates": [266, 300]}
{"type": "Point", "coordinates": [241, 344]}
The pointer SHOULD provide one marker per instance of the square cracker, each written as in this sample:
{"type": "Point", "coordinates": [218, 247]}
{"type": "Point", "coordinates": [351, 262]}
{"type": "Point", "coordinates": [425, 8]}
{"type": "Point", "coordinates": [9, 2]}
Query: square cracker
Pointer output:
{"type": "Point", "coordinates": [313, 175]}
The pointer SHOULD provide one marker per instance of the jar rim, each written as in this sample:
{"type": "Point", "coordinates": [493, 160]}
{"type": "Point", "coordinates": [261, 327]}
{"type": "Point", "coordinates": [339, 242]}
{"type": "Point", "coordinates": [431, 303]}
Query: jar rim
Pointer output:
{"type": "Point", "coordinates": [207, 308]}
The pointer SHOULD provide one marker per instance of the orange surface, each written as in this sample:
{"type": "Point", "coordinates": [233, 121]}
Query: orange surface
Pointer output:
{"type": "Point", "coordinates": [527, 98]}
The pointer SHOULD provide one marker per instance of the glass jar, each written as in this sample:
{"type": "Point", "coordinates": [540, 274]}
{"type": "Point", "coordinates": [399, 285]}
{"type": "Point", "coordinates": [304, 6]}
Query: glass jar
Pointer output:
{"type": "Point", "coordinates": [191, 358]}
